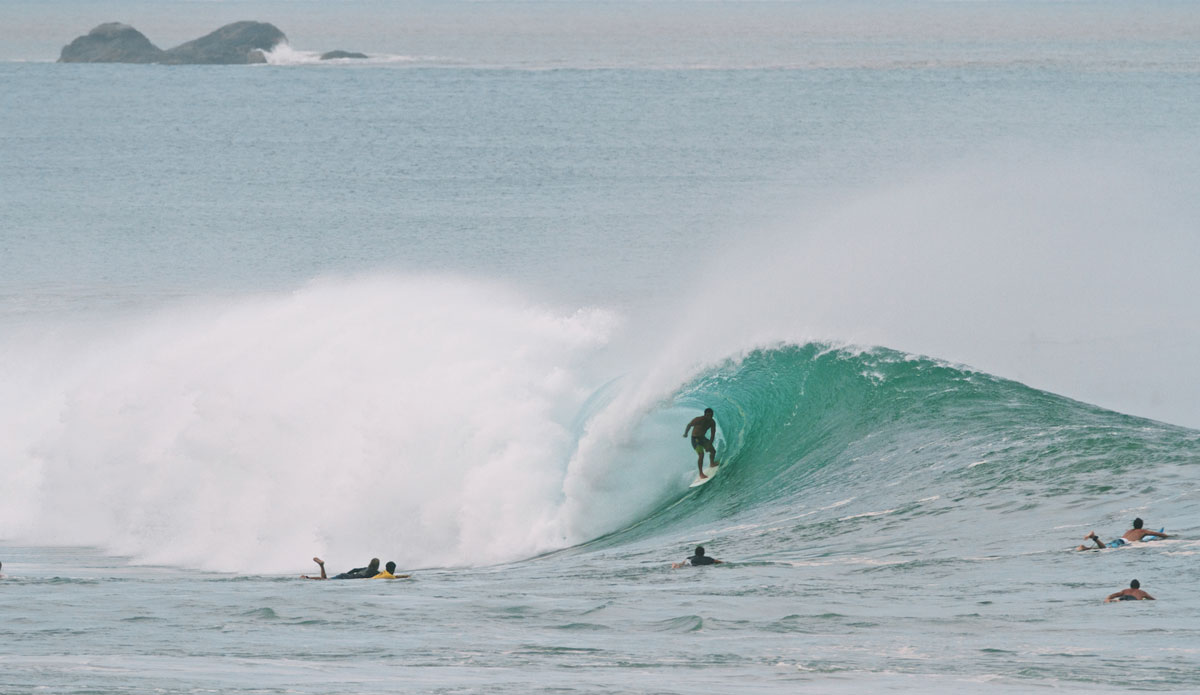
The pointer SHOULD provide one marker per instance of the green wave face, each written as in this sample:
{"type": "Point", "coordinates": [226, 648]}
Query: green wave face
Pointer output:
{"type": "Point", "coordinates": [819, 442]}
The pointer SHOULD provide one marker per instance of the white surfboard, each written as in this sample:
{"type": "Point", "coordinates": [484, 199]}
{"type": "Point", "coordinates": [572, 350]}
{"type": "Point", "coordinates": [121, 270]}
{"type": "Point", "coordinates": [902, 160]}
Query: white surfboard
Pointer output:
{"type": "Point", "coordinates": [708, 471]}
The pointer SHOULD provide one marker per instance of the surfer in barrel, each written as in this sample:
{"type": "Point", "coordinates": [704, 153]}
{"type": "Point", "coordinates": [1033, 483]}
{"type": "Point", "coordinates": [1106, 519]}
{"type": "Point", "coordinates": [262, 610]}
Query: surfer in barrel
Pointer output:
{"type": "Point", "coordinates": [699, 427]}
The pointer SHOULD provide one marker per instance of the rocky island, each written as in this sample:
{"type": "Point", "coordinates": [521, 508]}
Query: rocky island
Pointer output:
{"type": "Point", "coordinates": [240, 43]}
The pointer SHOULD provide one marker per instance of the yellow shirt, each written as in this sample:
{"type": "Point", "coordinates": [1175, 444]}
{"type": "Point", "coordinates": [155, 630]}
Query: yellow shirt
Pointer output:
{"type": "Point", "coordinates": [384, 575]}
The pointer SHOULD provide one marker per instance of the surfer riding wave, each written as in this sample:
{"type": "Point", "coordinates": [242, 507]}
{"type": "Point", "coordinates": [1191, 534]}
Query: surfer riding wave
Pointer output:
{"type": "Point", "coordinates": [699, 427]}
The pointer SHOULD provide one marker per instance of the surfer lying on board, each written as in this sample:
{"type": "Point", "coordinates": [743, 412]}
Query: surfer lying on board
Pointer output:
{"type": "Point", "coordinates": [1133, 593]}
{"type": "Point", "coordinates": [696, 560]}
{"type": "Point", "coordinates": [388, 572]}
{"type": "Point", "coordinates": [367, 572]}
{"type": "Point", "coordinates": [1138, 533]}
{"type": "Point", "coordinates": [699, 426]}
{"type": "Point", "coordinates": [1133, 535]}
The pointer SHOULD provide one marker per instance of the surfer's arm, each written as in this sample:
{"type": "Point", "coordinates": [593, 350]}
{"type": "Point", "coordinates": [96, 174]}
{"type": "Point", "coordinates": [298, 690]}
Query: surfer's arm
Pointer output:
{"type": "Point", "coordinates": [1158, 534]}
{"type": "Point", "coordinates": [1113, 597]}
{"type": "Point", "coordinates": [1147, 597]}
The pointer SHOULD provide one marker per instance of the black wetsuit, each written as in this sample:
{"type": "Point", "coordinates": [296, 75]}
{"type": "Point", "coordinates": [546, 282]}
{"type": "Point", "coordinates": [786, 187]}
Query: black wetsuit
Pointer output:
{"type": "Point", "coordinates": [357, 573]}
{"type": "Point", "coordinates": [697, 560]}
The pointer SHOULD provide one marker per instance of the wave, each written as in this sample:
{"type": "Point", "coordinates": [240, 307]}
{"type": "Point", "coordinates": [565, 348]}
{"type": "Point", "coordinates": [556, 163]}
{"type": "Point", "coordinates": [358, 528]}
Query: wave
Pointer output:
{"type": "Point", "coordinates": [447, 421]}
{"type": "Point", "coordinates": [835, 439]}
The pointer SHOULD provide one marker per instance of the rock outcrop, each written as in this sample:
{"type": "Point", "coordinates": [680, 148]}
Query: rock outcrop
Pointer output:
{"type": "Point", "coordinates": [112, 43]}
{"type": "Point", "coordinates": [239, 43]}
{"type": "Point", "coordinates": [334, 55]}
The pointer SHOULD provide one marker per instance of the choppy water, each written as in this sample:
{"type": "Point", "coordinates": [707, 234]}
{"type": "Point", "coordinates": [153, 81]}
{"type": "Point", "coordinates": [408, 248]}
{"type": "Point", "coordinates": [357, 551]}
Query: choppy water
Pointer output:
{"type": "Point", "coordinates": [453, 307]}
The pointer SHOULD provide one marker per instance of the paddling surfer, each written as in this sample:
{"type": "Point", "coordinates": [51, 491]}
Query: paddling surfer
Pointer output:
{"type": "Point", "coordinates": [1133, 535]}
{"type": "Point", "coordinates": [1133, 593]}
{"type": "Point", "coordinates": [697, 560]}
{"type": "Point", "coordinates": [367, 572]}
{"type": "Point", "coordinates": [389, 572]}
{"type": "Point", "coordinates": [699, 427]}
{"type": "Point", "coordinates": [1137, 533]}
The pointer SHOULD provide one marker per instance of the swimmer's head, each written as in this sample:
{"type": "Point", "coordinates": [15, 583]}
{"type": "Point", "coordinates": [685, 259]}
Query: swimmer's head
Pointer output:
{"type": "Point", "coordinates": [708, 412]}
{"type": "Point", "coordinates": [1137, 523]}
{"type": "Point", "coordinates": [390, 567]}
{"type": "Point", "coordinates": [1134, 584]}
{"type": "Point", "coordinates": [699, 551]}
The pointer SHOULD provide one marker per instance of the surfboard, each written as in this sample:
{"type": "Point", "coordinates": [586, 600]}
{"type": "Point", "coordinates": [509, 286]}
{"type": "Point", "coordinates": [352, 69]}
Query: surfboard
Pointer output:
{"type": "Point", "coordinates": [708, 471]}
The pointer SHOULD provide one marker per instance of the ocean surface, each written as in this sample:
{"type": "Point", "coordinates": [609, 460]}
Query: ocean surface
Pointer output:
{"type": "Point", "coordinates": [932, 264]}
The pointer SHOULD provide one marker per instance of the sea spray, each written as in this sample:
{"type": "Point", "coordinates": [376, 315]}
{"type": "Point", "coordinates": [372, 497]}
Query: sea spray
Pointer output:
{"type": "Point", "coordinates": [427, 419]}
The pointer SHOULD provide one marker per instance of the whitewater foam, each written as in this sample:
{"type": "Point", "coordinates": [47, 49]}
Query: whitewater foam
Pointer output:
{"type": "Point", "coordinates": [427, 419]}
{"type": "Point", "coordinates": [284, 54]}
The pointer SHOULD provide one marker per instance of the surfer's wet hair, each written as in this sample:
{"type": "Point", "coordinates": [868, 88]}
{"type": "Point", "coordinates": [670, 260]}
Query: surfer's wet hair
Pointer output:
{"type": "Point", "coordinates": [708, 411]}
{"type": "Point", "coordinates": [1134, 584]}
{"type": "Point", "coordinates": [699, 550]}
{"type": "Point", "coordinates": [1137, 523]}
{"type": "Point", "coordinates": [390, 567]}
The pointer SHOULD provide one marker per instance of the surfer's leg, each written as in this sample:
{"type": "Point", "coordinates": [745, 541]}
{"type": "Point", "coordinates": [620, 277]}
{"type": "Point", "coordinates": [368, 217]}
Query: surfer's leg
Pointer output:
{"type": "Point", "coordinates": [700, 464]}
{"type": "Point", "coordinates": [320, 562]}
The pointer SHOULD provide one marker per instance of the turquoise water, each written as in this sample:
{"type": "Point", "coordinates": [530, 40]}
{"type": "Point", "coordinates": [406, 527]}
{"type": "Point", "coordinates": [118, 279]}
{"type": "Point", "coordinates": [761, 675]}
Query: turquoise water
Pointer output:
{"type": "Point", "coordinates": [930, 263]}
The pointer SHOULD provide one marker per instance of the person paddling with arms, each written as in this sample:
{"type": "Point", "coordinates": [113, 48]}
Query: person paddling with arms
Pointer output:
{"type": "Point", "coordinates": [1138, 533]}
{"type": "Point", "coordinates": [367, 572]}
{"type": "Point", "coordinates": [1133, 593]}
{"type": "Point", "coordinates": [698, 427]}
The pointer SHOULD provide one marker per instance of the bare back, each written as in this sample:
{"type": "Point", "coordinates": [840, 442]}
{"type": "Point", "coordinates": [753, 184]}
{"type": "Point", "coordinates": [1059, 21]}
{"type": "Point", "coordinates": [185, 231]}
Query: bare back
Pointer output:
{"type": "Point", "coordinates": [1137, 534]}
{"type": "Point", "coordinates": [699, 426]}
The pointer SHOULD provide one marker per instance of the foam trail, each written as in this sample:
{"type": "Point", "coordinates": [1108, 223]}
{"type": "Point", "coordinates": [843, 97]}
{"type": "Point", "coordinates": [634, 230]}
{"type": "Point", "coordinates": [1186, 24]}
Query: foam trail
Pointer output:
{"type": "Point", "coordinates": [429, 420]}
{"type": "Point", "coordinates": [284, 54]}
